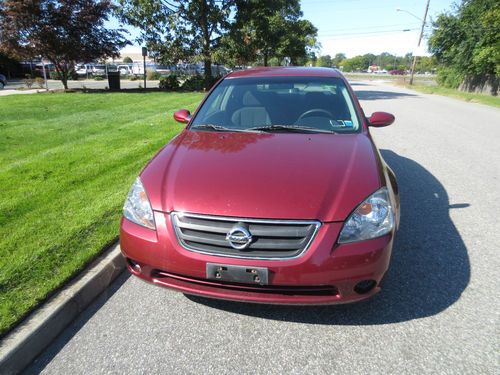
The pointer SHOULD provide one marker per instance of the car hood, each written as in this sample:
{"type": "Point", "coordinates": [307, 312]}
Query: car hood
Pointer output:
{"type": "Point", "coordinates": [262, 175]}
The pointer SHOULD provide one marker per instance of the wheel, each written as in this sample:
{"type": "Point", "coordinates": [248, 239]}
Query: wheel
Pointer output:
{"type": "Point", "coordinates": [318, 110]}
{"type": "Point", "coordinates": [2, 85]}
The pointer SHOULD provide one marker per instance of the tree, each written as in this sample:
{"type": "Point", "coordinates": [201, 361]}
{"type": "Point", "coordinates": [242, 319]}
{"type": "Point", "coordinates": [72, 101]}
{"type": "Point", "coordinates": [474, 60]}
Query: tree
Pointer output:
{"type": "Point", "coordinates": [8, 65]}
{"type": "Point", "coordinates": [325, 61]}
{"type": "Point", "coordinates": [385, 60]}
{"type": "Point", "coordinates": [337, 60]}
{"type": "Point", "coordinates": [127, 60]}
{"type": "Point", "coordinates": [358, 63]}
{"type": "Point", "coordinates": [369, 59]}
{"type": "Point", "coordinates": [174, 30]}
{"type": "Point", "coordinates": [425, 64]}
{"type": "Point", "coordinates": [312, 59]}
{"type": "Point", "coordinates": [466, 42]}
{"type": "Point", "coordinates": [264, 29]}
{"type": "Point", "coordinates": [64, 31]}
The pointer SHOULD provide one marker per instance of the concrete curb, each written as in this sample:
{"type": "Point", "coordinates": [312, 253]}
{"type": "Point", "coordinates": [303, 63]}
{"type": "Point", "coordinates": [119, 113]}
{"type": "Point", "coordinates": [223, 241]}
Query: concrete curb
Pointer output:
{"type": "Point", "coordinates": [42, 326]}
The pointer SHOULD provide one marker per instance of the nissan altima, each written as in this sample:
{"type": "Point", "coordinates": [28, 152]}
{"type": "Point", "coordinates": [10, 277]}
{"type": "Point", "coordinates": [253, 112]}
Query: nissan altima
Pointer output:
{"type": "Point", "coordinates": [273, 193]}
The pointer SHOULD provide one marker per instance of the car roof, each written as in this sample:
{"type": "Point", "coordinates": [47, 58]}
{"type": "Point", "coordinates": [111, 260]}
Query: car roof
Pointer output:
{"type": "Point", "coordinates": [285, 71]}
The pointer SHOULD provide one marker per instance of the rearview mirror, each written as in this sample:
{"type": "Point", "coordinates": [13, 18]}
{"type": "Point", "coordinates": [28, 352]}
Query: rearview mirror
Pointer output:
{"type": "Point", "coordinates": [380, 119]}
{"type": "Point", "coordinates": [182, 115]}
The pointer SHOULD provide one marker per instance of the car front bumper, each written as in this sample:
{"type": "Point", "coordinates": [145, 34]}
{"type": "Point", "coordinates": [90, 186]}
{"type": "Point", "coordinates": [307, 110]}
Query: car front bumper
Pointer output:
{"type": "Point", "coordinates": [327, 272]}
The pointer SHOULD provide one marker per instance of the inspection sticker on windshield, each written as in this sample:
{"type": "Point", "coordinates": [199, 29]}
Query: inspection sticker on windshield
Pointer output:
{"type": "Point", "coordinates": [347, 123]}
{"type": "Point", "coordinates": [341, 123]}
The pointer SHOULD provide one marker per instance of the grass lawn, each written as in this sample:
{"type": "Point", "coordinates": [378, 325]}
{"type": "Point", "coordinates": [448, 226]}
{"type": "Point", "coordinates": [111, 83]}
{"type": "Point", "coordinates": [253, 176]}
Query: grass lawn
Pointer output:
{"type": "Point", "coordinates": [467, 96]}
{"type": "Point", "coordinates": [67, 161]}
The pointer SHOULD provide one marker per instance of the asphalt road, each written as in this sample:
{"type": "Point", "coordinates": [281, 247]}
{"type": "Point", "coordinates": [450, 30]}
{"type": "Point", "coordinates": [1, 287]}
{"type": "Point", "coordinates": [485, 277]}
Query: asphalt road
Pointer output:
{"type": "Point", "coordinates": [438, 313]}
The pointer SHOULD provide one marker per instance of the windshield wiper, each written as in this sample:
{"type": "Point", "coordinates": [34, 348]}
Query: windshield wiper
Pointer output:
{"type": "Point", "coordinates": [220, 128]}
{"type": "Point", "coordinates": [290, 128]}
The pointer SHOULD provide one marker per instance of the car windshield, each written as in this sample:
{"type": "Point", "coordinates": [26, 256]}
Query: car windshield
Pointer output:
{"type": "Point", "coordinates": [279, 104]}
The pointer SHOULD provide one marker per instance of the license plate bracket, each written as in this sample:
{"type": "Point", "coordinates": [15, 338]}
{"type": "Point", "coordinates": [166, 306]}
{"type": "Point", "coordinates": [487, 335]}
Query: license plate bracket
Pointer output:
{"type": "Point", "coordinates": [238, 274]}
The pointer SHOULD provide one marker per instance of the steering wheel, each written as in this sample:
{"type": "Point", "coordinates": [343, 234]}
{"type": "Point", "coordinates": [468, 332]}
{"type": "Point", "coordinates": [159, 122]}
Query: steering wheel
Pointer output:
{"type": "Point", "coordinates": [314, 110]}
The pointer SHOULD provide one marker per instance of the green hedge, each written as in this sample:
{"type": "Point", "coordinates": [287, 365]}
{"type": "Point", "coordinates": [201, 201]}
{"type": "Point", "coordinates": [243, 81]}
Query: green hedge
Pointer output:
{"type": "Point", "coordinates": [449, 77]}
{"type": "Point", "coordinates": [197, 83]}
{"type": "Point", "coordinates": [169, 83]}
{"type": "Point", "coordinates": [72, 75]}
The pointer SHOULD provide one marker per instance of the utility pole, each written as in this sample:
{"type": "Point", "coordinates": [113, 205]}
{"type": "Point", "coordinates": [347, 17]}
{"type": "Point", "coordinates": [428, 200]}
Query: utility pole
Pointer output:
{"type": "Point", "coordinates": [419, 40]}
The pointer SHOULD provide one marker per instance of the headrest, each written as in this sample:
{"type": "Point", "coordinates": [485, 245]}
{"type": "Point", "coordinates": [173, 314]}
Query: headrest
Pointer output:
{"type": "Point", "coordinates": [250, 100]}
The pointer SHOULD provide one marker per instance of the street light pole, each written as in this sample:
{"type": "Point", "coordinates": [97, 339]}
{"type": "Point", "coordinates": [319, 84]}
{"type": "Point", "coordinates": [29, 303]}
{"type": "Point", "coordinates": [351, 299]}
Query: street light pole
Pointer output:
{"type": "Point", "coordinates": [144, 54]}
{"type": "Point", "coordinates": [414, 63]}
{"type": "Point", "coordinates": [45, 76]}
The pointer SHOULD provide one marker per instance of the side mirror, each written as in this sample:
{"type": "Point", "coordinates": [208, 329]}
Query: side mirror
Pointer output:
{"type": "Point", "coordinates": [182, 115]}
{"type": "Point", "coordinates": [380, 119]}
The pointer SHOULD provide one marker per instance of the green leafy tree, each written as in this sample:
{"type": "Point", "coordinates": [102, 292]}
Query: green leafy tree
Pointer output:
{"type": "Point", "coordinates": [127, 60]}
{"type": "Point", "coordinates": [63, 31]}
{"type": "Point", "coordinates": [426, 64]}
{"type": "Point", "coordinates": [369, 59]}
{"type": "Point", "coordinates": [178, 30]}
{"type": "Point", "coordinates": [337, 60]}
{"type": "Point", "coordinates": [466, 41]}
{"type": "Point", "coordinates": [325, 61]}
{"type": "Point", "coordinates": [311, 59]}
{"type": "Point", "coordinates": [8, 65]}
{"type": "Point", "coordinates": [270, 29]}
{"type": "Point", "coordinates": [385, 60]}
{"type": "Point", "coordinates": [357, 63]}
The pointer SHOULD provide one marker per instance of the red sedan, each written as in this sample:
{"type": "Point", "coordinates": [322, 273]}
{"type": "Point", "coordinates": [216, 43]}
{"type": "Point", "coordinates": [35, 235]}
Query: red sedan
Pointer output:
{"type": "Point", "coordinates": [273, 193]}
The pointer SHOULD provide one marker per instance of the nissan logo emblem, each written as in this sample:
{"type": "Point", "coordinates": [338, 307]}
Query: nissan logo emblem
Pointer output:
{"type": "Point", "coordinates": [239, 237]}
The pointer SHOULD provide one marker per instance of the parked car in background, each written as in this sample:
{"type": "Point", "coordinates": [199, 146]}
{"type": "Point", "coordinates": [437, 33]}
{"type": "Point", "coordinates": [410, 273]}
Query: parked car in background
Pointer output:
{"type": "Point", "coordinates": [138, 69]}
{"type": "Point", "coordinates": [124, 69]}
{"type": "Point", "coordinates": [199, 69]}
{"type": "Point", "coordinates": [273, 193]}
{"type": "Point", "coordinates": [3, 81]}
{"type": "Point", "coordinates": [38, 70]}
{"type": "Point", "coordinates": [98, 70]}
{"type": "Point", "coordinates": [397, 72]}
{"type": "Point", "coordinates": [83, 69]}
{"type": "Point", "coordinates": [219, 70]}
{"type": "Point", "coordinates": [163, 69]}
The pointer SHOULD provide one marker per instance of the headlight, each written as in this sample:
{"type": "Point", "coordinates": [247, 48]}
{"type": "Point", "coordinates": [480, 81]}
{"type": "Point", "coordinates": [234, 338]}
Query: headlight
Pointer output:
{"type": "Point", "coordinates": [137, 207]}
{"type": "Point", "coordinates": [373, 218]}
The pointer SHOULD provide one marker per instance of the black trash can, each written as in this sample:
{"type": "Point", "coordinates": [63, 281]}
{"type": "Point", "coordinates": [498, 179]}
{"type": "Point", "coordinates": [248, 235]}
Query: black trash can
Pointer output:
{"type": "Point", "coordinates": [114, 80]}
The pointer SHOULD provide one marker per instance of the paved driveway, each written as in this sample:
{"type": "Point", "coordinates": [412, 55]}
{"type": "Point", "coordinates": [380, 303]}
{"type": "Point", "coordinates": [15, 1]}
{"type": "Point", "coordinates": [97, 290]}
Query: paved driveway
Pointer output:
{"type": "Point", "coordinates": [437, 314]}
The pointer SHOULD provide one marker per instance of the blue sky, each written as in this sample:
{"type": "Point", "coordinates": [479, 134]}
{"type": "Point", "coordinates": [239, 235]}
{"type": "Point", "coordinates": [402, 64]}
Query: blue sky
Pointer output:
{"type": "Point", "coordinates": [356, 27]}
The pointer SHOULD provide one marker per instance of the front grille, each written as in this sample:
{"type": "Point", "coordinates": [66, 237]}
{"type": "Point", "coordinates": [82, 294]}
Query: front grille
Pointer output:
{"type": "Point", "coordinates": [271, 239]}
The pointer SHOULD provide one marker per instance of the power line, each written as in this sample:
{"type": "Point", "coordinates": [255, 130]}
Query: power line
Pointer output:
{"type": "Point", "coordinates": [370, 32]}
{"type": "Point", "coordinates": [368, 27]}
